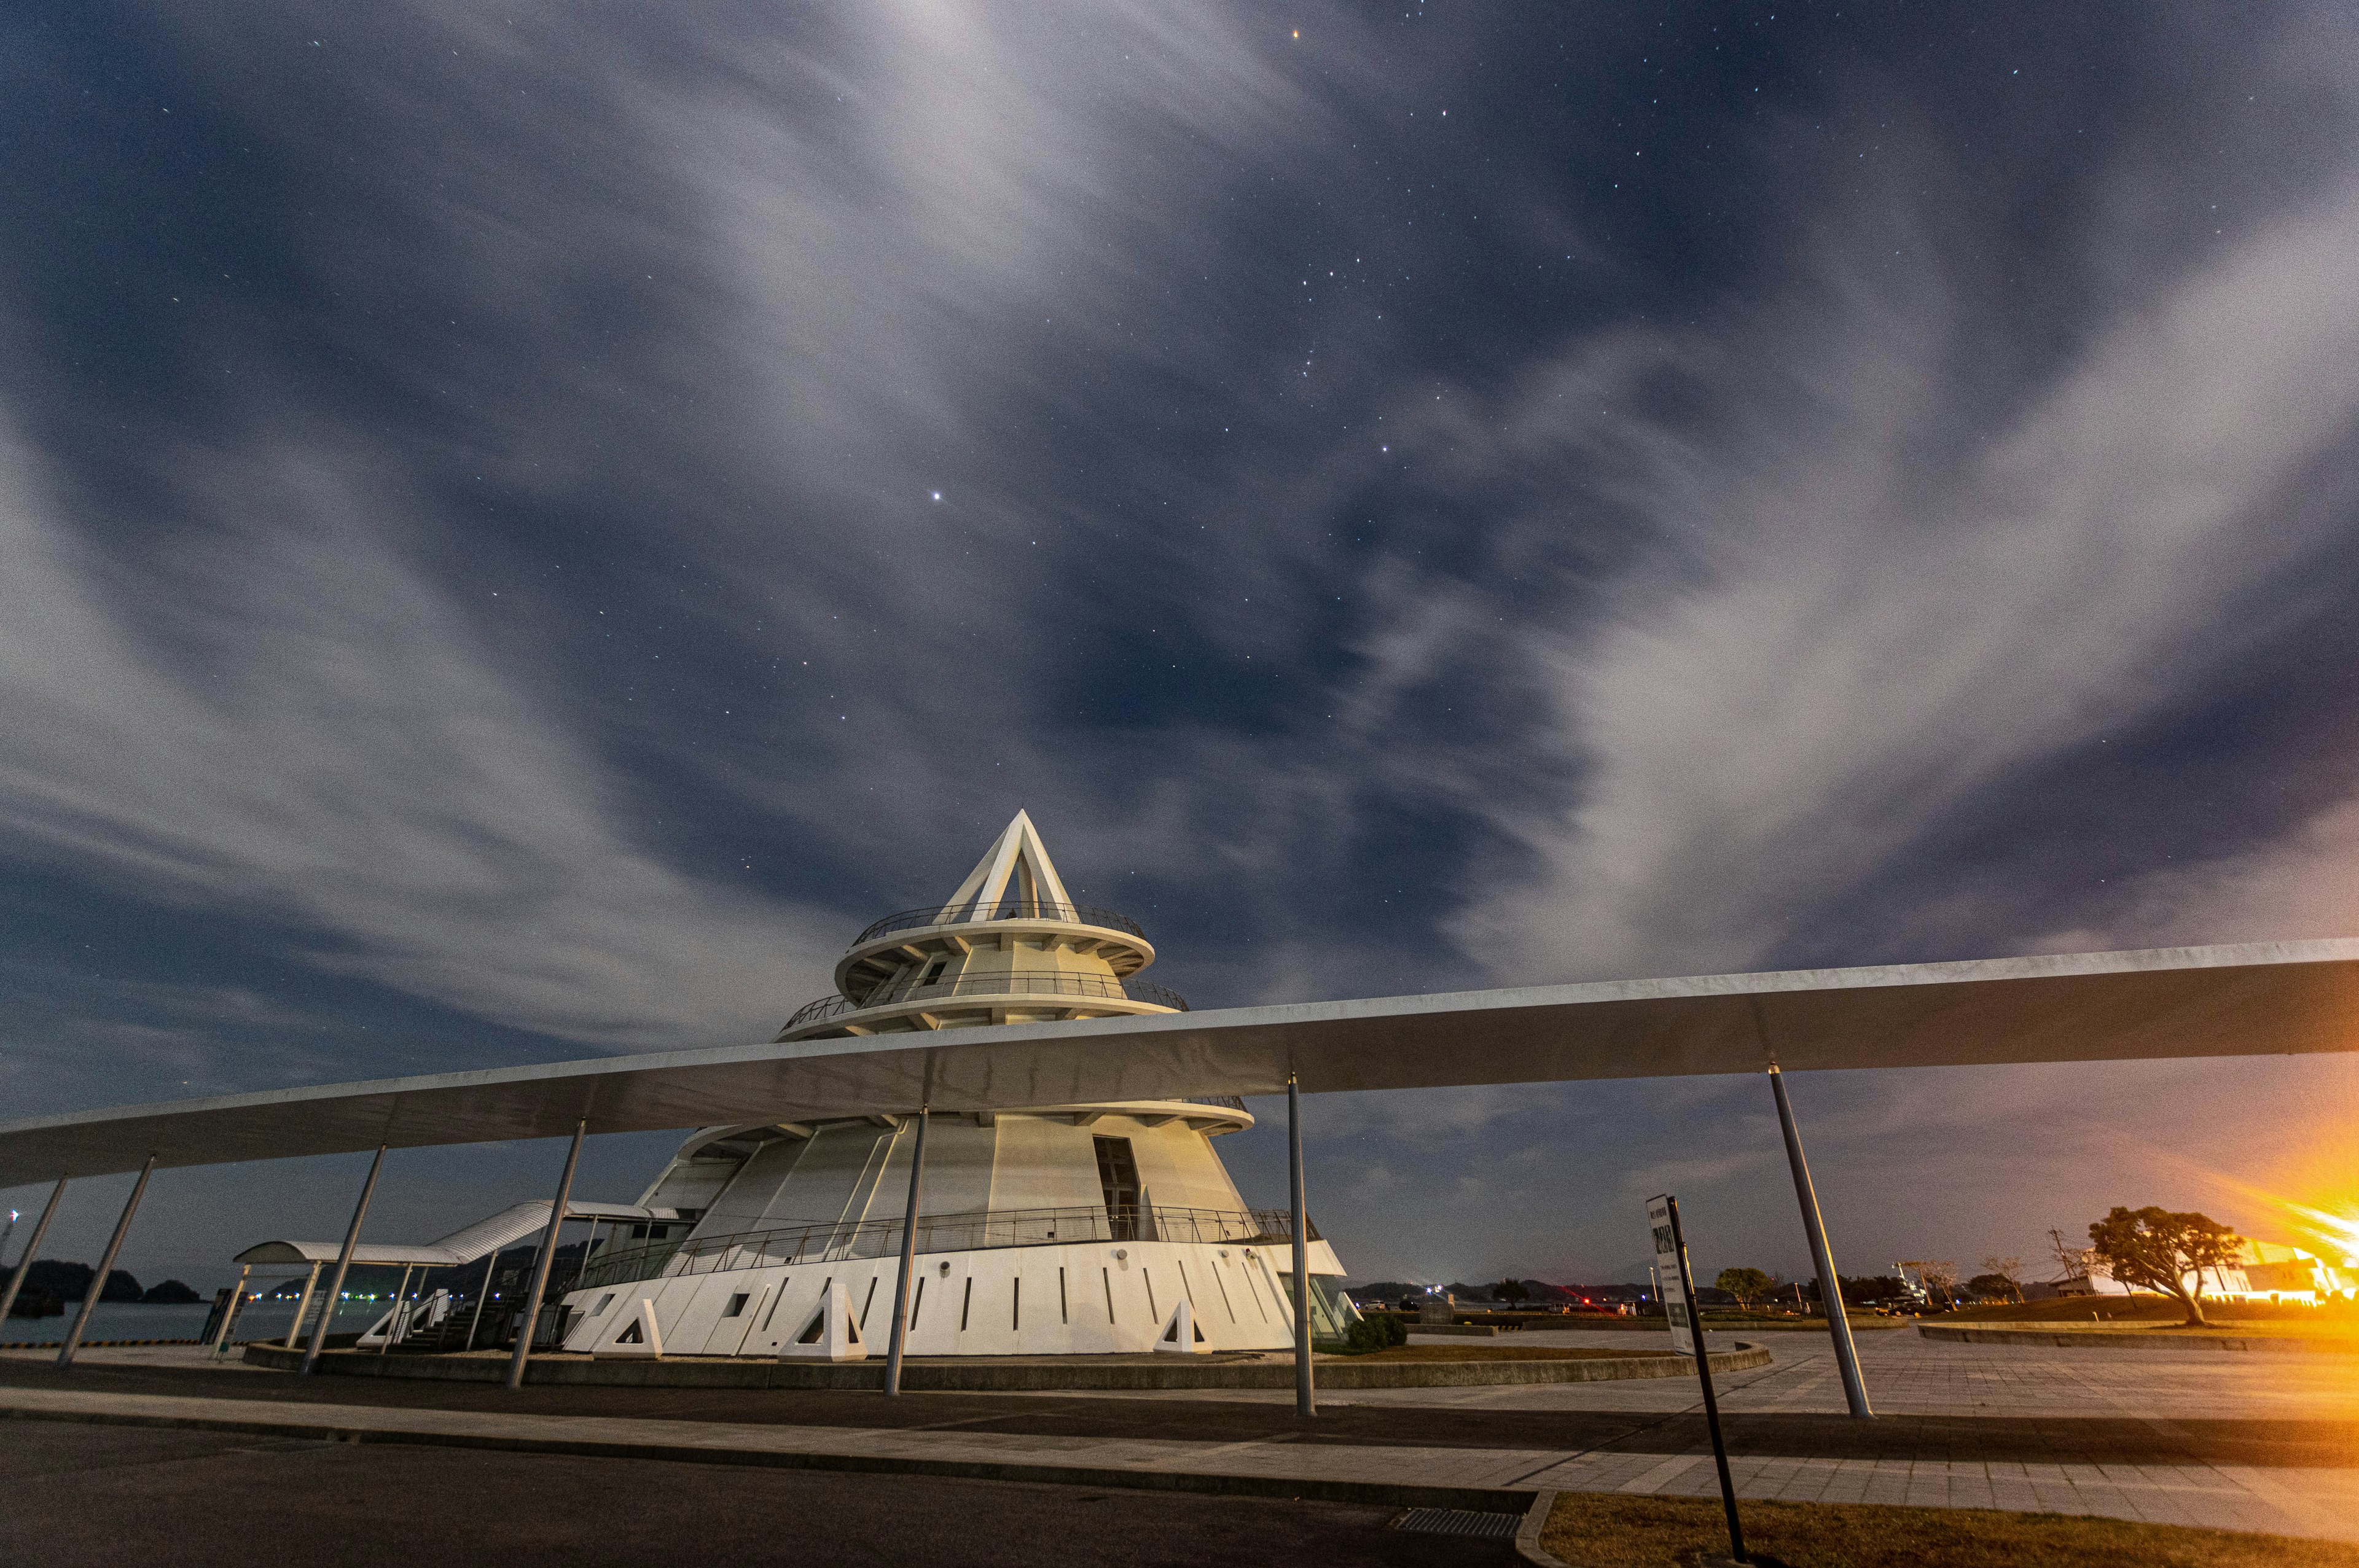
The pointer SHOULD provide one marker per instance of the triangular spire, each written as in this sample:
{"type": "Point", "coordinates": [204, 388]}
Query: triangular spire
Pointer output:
{"type": "Point", "coordinates": [1020, 858]}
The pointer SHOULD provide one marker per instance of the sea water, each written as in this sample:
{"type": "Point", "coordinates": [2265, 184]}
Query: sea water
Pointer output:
{"type": "Point", "coordinates": [137, 1320]}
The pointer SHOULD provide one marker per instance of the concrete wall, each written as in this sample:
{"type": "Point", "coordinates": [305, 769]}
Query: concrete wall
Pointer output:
{"type": "Point", "coordinates": [1095, 1298]}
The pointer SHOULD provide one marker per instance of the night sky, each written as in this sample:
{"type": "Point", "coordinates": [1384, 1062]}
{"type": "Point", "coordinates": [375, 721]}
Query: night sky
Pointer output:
{"type": "Point", "coordinates": [523, 528]}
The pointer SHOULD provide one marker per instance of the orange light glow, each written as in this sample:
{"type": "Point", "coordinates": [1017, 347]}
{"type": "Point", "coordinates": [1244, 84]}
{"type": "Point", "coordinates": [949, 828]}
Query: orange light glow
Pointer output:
{"type": "Point", "coordinates": [2337, 1234]}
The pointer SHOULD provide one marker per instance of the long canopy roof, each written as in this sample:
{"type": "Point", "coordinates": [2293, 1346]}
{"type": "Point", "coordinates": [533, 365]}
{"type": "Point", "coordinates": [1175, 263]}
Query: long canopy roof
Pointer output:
{"type": "Point", "coordinates": [2258, 998]}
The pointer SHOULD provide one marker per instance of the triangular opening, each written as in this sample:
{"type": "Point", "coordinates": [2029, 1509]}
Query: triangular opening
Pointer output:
{"type": "Point", "coordinates": [815, 1328]}
{"type": "Point", "coordinates": [630, 1335]}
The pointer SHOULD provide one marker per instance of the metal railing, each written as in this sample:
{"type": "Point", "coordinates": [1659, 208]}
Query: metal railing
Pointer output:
{"type": "Point", "coordinates": [999, 983]}
{"type": "Point", "coordinates": [1005, 909]}
{"type": "Point", "coordinates": [974, 1232]}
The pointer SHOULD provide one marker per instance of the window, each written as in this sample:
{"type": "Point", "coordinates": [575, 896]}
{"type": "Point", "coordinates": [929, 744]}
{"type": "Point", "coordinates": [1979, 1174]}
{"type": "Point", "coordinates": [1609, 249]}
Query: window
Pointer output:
{"type": "Point", "coordinates": [737, 1304]}
{"type": "Point", "coordinates": [1333, 1313]}
{"type": "Point", "coordinates": [1118, 1179]}
{"type": "Point", "coordinates": [933, 971]}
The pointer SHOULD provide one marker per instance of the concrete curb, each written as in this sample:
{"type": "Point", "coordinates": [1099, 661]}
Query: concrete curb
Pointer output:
{"type": "Point", "coordinates": [1489, 1499]}
{"type": "Point", "coordinates": [1029, 1376]}
{"type": "Point", "coordinates": [2117, 1339]}
{"type": "Point", "coordinates": [1528, 1537]}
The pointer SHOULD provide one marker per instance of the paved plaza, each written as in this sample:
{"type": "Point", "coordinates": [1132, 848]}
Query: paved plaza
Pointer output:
{"type": "Point", "coordinates": [2262, 1442]}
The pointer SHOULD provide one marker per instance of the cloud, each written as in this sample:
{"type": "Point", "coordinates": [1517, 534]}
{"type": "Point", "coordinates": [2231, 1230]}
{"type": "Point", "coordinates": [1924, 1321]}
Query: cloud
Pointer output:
{"type": "Point", "coordinates": [1860, 615]}
{"type": "Point", "coordinates": [286, 718]}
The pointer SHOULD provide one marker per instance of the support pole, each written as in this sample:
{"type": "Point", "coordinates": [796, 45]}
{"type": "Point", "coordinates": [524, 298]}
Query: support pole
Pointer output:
{"type": "Point", "coordinates": [1821, 1256]}
{"type": "Point", "coordinates": [229, 1315]}
{"type": "Point", "coordinates": [105, 1268]}
{"type": "Point", "coordinates": [302, 1305]}
{"type": "Point", "coordinates": [475, 1318]}
{"type": "Point", "coordinates": [1306, 1398]}
{"type": "Point", "coordinates": [1703, 1376]}
{"type": "Point", "coordinates": [399, 1320]}
{"type": "Point", "coordinates": [909, 1260]}
{"type": "Point", "coordinates": [25, 1258]}
{"type": "Point", "coordinates": [343, 1265]}
{"type": "Point", "coordinates": [531, 1312]}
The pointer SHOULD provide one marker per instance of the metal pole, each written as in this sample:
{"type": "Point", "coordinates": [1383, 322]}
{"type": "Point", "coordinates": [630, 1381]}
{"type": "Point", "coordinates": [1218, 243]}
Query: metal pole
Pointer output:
{"type": "Point", "coordinates": [475, 1318]}
{"type": "Point", "coordinates": [1305, 1399]}
{"type": "Point", "coordinates": [1821, 1256]}
{"type": "Point", "coordinates": [909, 1260]}
{"type": "Point", "coordinates": [105, 1268]}
{"type": "Point", "coordinates": [393, 1325]}
{"type": "Point", "coordinates": [1703, 1375]}
{"type": "Point", "coordinates": [540, 1264]}
{"type": "Point", "coordinates": [303, 1305]}
{"type": "Point", "coordinates": [343, 1266]}
{"type": "Point", "coordinates": [25, 1263]}
{"type": "Point", "coordinates": [236, 1300]}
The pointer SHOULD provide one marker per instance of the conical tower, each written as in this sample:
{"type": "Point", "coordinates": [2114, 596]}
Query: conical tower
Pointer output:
{"type": "Point", "coordinates": [1009, 945]}
{"type": "Point", "coordinates": [1049, 1230]}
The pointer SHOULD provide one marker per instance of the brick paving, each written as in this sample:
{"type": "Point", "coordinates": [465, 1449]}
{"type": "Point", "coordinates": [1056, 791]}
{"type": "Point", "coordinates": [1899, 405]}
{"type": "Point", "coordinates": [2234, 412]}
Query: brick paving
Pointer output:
{"type": "Point", "coordinates": [2196, 1437]}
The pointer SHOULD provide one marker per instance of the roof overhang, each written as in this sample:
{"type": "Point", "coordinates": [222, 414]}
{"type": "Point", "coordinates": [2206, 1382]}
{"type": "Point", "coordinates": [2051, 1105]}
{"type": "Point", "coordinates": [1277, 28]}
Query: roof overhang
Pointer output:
{"type": "Point", "coordinates": [2258, 998]}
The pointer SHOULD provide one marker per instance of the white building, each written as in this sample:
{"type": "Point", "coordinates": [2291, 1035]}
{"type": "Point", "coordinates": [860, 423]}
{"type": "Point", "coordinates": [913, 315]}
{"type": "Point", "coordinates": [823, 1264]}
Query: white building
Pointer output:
{"type": "Point", "coordinates": [1052, 1230]}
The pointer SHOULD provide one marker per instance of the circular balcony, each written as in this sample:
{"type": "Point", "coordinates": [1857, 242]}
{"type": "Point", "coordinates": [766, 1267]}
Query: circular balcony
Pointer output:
{"type": "Point", "coordinates": [1005, 909]}
{"type": "Point", "coordinates": [970, 992]}
{"type": "Point", "coordinates": [888, 949]}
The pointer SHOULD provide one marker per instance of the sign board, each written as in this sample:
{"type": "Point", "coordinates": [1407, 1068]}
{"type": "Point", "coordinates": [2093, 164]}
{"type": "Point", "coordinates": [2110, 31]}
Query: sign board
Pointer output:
{"type": "Point", "coordinates": [1677, 1306]}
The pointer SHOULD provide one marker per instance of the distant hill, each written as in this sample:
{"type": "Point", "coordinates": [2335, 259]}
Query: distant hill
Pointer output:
{"type": "Point", "coordinates": [71, 1281]}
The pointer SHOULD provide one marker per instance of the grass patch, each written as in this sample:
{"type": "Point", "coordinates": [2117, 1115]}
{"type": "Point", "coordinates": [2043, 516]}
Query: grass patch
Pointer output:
{"type": "Point", "coordinates": [1607, 1530]}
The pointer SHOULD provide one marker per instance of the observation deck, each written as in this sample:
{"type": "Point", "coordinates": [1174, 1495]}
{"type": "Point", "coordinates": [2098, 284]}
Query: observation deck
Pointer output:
{"type": "Point", "coordinates": [1009, 946]}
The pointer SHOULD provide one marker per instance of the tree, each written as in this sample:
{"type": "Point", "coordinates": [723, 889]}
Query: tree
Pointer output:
{"type": "Point", "coordinates": [1937, 1277]}
{"type": "Point", "coordinates": [1510, 1291]}
{"type": "Point", "coordinates": [2164, 1252]}
{"type": "Point", "coordinates": [1747, 1285]}
{"type": "Point", "coordinates": [2006, 1271]}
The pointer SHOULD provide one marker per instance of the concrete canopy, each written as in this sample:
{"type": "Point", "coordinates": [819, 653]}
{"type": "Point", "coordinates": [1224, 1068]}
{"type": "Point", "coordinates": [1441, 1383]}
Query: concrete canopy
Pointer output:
{"type": "Point", "coordinates": [2257, 999]}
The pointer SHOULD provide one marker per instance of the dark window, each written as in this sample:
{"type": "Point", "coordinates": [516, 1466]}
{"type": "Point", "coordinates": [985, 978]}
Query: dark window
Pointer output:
{"type": "Point", "coordinates": [1118, 1177]}
{"type": "Point", "coordinates": [737, 1304]}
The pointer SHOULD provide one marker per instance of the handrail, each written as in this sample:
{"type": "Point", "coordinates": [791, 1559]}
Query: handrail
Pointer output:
{"type": "Point", "coordinates": [996, 983]}
{"type": "Point", "coordinates": [977, 1231]}
{"type": "Point", "coordinates": [1004, 909]}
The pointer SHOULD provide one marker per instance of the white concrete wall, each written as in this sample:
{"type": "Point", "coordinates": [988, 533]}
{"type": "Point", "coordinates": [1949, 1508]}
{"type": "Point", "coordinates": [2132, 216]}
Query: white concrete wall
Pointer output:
{"type": "Point", "coordinates": [1094, 1299]}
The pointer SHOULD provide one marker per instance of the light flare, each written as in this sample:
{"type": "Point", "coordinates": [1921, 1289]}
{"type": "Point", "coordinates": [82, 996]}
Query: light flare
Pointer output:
{"type": "Point", "coordinates": [2337, 1233]}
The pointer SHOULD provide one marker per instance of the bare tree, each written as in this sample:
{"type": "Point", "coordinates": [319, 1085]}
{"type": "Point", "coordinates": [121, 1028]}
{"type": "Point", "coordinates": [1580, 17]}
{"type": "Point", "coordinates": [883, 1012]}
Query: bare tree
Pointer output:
{"type": "Point", "coordinates": [2078, 1262]}
{"type": "Point", "coordinates": [1933, 1275]}
{"type": "Point", "coordinates": [2009, 1270]}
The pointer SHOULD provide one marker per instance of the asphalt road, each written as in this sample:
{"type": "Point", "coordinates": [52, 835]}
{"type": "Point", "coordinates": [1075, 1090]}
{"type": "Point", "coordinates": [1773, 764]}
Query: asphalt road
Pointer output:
{"type": "Point", "coordinates": [99, 1497]}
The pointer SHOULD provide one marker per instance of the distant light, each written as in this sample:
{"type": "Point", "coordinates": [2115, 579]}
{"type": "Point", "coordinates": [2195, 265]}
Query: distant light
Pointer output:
{"type": "Point", "coordinates": [938, 496]}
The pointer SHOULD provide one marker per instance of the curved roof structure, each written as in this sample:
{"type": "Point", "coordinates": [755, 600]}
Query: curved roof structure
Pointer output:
{"type": "Point", "coordinates": [2256, 999]}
